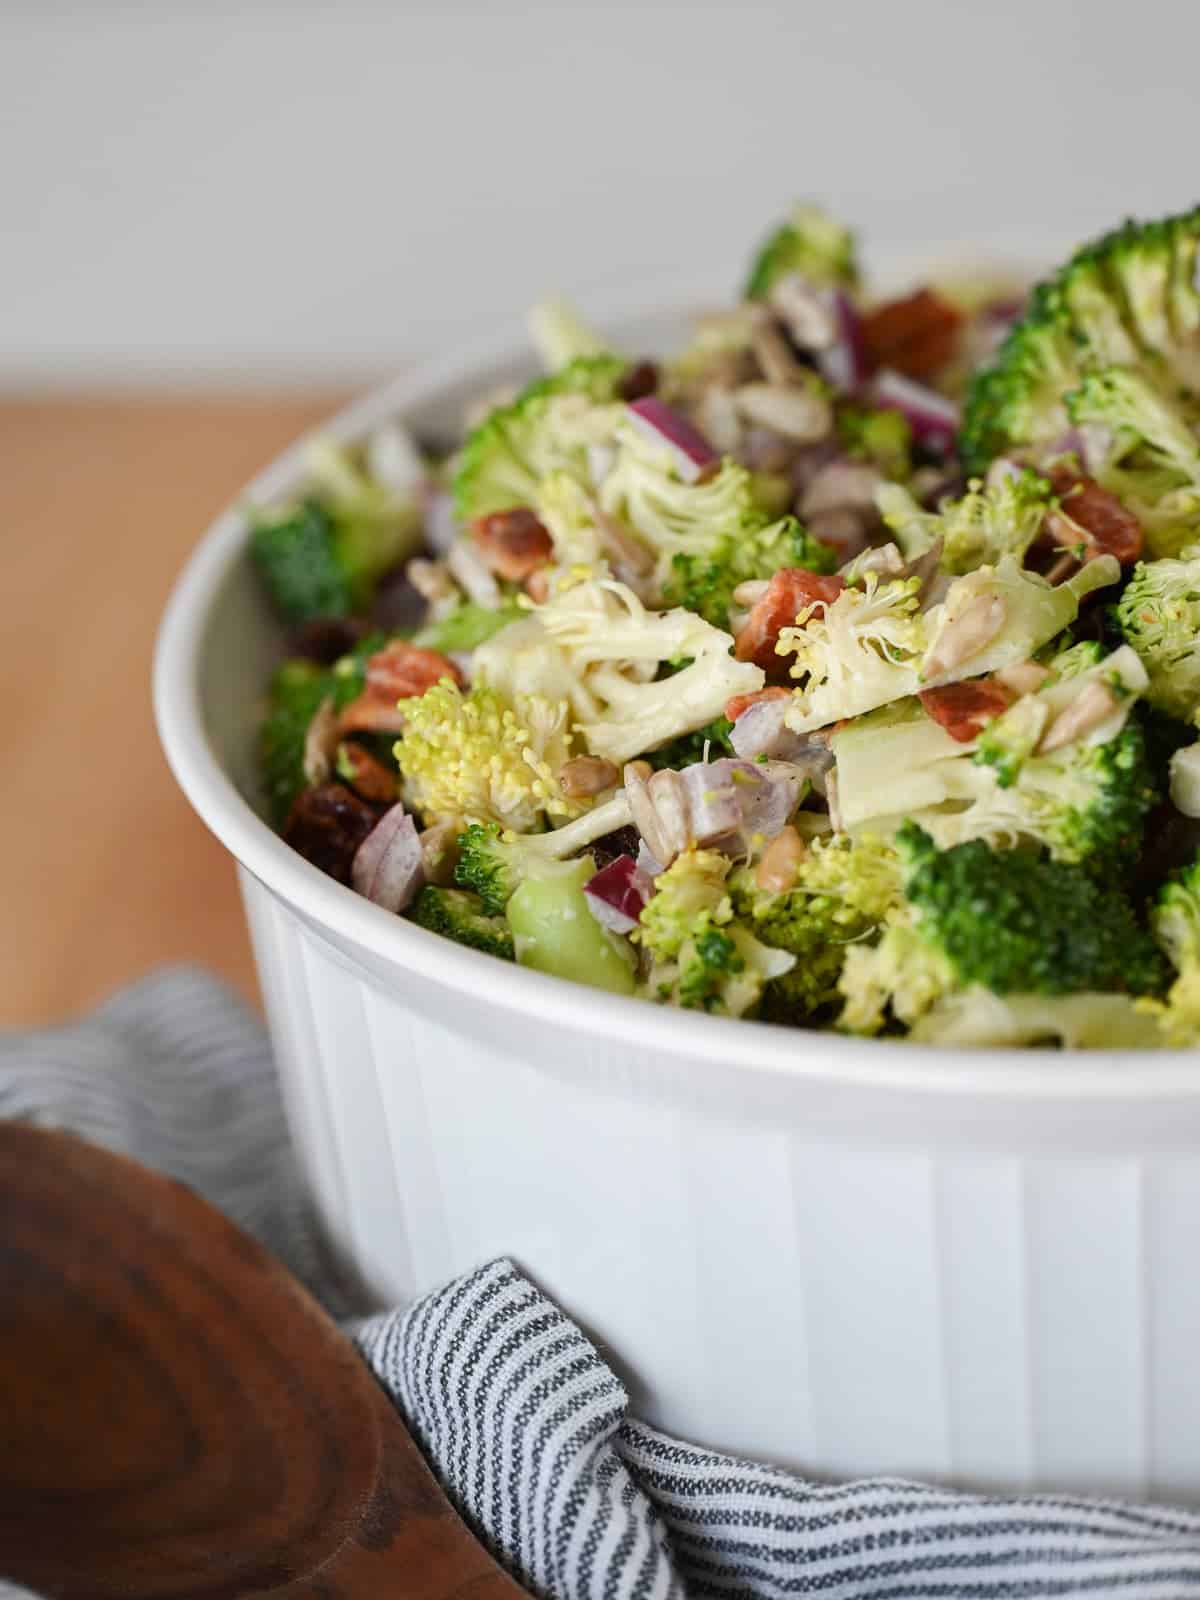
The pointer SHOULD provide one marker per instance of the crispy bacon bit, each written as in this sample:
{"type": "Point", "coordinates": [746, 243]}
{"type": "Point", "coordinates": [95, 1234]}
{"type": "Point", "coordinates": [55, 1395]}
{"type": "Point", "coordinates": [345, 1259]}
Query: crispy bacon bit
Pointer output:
{"type": "Point", "coordinates": [327, 824]}
{"type": "Point", "coordinates": [790, 591]}
{"type": "Point", "coordinates": [743, 702]}
{"type": "Point", "coordinates": [964, 709]}
{"type": "Point", "coordinates": [916, 335]}
{"type": "Point", "coordinates": [365, 773]}
{"type": "Point", "coordinates": [512, 543]}
{"type": "Point", "coordinates": [400, 671]}
{"type": "Point", "coordinates": [1107, 527]}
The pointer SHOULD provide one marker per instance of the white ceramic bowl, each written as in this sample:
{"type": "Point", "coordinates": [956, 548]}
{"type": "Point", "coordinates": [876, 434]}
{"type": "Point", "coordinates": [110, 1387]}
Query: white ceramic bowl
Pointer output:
{"type": "Point", "coordinates": [849, 1257]}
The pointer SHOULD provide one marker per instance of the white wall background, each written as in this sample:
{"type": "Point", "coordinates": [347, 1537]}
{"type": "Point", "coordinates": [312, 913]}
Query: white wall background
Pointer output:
{"type": "Point", "coordinates": [198, 190]}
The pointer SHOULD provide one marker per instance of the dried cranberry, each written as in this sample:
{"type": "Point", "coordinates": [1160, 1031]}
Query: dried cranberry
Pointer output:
{"type": "Point", "coordinates": [640, 380]}
{"type": "Point", "coordinates": [327, 824]}
{"type": "Point", "coordinates": [621, 842]}
{"type": "Point", "coordinates": [916, 335]}
{"type": "Point", "coordinates": [327, 639]}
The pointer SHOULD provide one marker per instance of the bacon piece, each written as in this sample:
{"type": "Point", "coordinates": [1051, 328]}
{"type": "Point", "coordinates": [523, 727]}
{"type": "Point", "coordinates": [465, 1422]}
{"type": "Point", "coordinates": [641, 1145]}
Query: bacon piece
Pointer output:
{"type": "Point", "coordinates": [512, 544]}
{"type": "Point", "coordinates": [1107, 526]}
{"type": "Point", "coordinates": [916, 335]}
{"type": "Point", "coordinates": [790, 591]}
{"type": "Point", "coordinates": [743, 702]}
{"type": "Point", "coordinates": [367, 775]}
{"type": "Point", "coordinates": [964, 709]}
{"type": "Point", "coordinates": [401, 671]}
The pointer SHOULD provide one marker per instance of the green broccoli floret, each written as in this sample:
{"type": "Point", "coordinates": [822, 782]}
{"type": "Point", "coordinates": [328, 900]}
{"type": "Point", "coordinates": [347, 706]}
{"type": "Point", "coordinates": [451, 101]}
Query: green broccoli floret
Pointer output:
{"type": "Point", "coordinates": [1013, 921]}
{"type": "Point", "coordinates": [701, 957]}
{"type": "Point", "coordinates": [297, 692]}
{"type": "Point", "coordinates": [1175, 921]}
{"type": "Point", "coordinates": [560, 335]}
{"type": "Point", "coordinates": [704, 582]}
{"type": "Point", "coordinates": [1150, 454]}
{"type": "Point", "coordinates": [843, 890]}
{"type": "Point", "coordinates": [811, 243]}
{"type": "Point", "coordinates": [529, 879]}
{"type": "Point", "coordinates": [467, 626]}
{"type": "Point", "coordinates": [1130, 299]}
{"type": "Point", "coordinates": [1159, 615]}
{"type": "Point", "coordinates": [881, 437]}
{"type": "Point", "coordinates": [459, 915]}
{"type": "Point", "coordinates": [988, 522]}
{"type": "Point", "coordinates": [1085, 800]}
{"type": "Point", "coordinates": [295, 553]}
{"type": "Point", "coordinates": [322, 555]}
{"type": "Point", "coordinates": [546, 429]}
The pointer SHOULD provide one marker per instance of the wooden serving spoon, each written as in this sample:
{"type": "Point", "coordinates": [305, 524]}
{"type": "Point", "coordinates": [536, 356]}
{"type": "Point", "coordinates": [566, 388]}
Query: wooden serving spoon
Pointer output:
{"type": "Point", "coordinates": [178, 1418]}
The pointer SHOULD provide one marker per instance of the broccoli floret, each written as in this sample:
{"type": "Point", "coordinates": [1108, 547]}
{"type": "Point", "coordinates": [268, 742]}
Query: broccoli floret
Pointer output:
{"type": "Point", "coordinates": [466, 627]}
{"type": "Point", "coordinates": [881, 437]}
{"type": "Point", "coordinates": [596, 647]}
{"type": "Point", "coordinates": [1175, 920]}
{"type": "Point", "coordinates": [842, 891]}
{"type": "Point", "coordinates": [459, 915]}
{"type": "Point", "coordinates": [701, 957]}
{"type": "Point", "coordinates": [492, 862]}
{"type": "Point", "coordinates": [1149, 454]}
{"type": "Point", "coordinates": [1130, 299]}
{"type": "Point", "coordinates": [691, 747]}
{"type": "Point", "coordinates": [811, 243]}
{"type": "Point", "coordinates": [1011, 921]}
{"type": "Point", "coordinates": [297, 692]}
{"type": "Point", "coordinates": [704, 582]}
{"type": "Point", "coordinates": [675, 518]}
{"type": "Point", "coordinates": [871, 645]}
{"type": "Point", "coordinates": [1159, 615]}
{"type": "Point", "coordinates": [481, 757]}
{"type": "Point", "coordinates": [295, 553]}
{"type": "Point", "coordinates": [560, 335]}
{"type": "Point", "coordinates": [322, 555]}
{"type": "Point", "coordinates": [988, 522]}
{"type": "Point", "coordinates": [547, 428]}
{"type": "Point", "coordinates": [976, 1017]}
{"type": "Point", "coordinates": [1085, 801]}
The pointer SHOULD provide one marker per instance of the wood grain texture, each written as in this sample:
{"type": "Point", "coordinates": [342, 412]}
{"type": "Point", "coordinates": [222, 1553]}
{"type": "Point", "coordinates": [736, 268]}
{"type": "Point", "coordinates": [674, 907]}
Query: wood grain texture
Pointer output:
{"type": "Point", "coordinates": [181, 1421]}
{"type": "Point", "coordinates": [106, 873]}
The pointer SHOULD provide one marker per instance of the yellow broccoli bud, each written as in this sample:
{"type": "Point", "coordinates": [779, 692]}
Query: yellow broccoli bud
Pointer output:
{"type": "Point", "coordinates": [476, 756]}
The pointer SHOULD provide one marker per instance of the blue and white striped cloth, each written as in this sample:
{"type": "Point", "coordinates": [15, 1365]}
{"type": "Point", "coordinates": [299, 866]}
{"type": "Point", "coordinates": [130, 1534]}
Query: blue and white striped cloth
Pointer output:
{"type": "Point", "coordinates": [525, 1424]}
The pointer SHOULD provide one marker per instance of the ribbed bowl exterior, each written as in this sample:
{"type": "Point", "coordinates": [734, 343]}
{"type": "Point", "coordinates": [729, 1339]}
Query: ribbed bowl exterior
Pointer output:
{"type": "Point", "coordinates": [840, 1283]}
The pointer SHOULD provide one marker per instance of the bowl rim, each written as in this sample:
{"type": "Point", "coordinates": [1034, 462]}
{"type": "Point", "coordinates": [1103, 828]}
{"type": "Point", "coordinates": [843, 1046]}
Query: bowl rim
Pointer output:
{"type": "Point", "coordinates": [1006, 1073]}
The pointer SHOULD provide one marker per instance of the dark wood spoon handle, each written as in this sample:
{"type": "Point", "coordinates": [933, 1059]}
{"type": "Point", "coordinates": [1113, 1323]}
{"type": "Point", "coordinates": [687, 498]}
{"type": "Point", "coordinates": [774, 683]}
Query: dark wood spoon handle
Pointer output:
{"type": "Point", "coordinates": [179, 1420]}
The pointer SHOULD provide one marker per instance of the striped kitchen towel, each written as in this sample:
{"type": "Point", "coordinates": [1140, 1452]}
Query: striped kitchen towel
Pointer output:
{"type": "Point", "coordinates": [519, 1414]}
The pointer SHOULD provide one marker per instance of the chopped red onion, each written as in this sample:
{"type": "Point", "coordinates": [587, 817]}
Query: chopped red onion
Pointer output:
{"type": "Point", "coordinates": [933, 418]}
{"type": "Point", "coordinates": [689, 449]}
{"type": "Point", "coordinates": [647, 861]}
{"type": "Point", "coordinates": [730, 802]}
{"type": "Point", "coordinates": [844, 363]}
{"type": "Point", "coordinates": [388, 866]}
{"type": "Point", "coordinates": [617, 894]}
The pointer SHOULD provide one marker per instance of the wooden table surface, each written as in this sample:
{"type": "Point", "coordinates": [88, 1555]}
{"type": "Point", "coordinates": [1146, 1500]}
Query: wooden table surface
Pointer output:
{"type": "Point", "coordinates": [105, 871]}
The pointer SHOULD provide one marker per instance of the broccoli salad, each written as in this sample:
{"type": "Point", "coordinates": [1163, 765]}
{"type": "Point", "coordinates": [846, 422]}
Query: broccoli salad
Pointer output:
{"type": "Point", "coordinates": [840, 669]}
